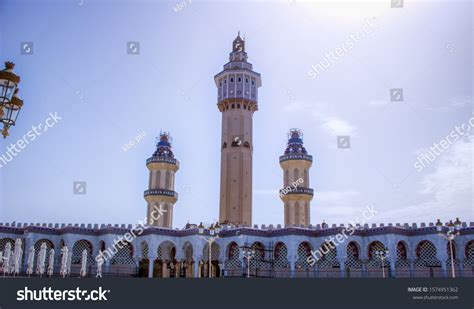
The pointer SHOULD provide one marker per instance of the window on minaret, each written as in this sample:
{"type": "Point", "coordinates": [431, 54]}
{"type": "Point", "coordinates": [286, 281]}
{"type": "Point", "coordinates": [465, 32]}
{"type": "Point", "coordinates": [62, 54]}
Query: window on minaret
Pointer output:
{"type": "Point", "coordinates": [295, 175]}
{"type": "Point", "coordinates": [158, 179]}
{"type": "Point", "coordinates": [231, 79]}
{"type": "Point", "coordinates": [167, 180]}
{"type": "Point", "coordinates": [239, 80]}
{"type": "Point", "coordinates": [246, 80]}
{"type": "Point", "coordinates": [287, 173]}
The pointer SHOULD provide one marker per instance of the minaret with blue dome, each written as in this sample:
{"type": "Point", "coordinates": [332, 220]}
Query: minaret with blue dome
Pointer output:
{"type": "Point", "coordinates": [160, 195]}
{"type": "Point", "coordinates": [296, 193]}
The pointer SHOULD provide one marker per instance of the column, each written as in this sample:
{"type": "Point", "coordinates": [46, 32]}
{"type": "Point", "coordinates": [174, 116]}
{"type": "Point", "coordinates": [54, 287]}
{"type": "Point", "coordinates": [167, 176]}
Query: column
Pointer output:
{"type": "Point", "coordinates": [196, 269]}
{"type": "Point", "coordinates": [411, 265]}
{"type": "Point", "coordinates": [222, 270]}
{"type": "Point", "coordinates": [392, 268]}
{"type": "Point", "coordinates": [292, 268]}
{"type": "Point", "coordinates": [29, 241]}
{"type": "Point", "coordinates": [364, 268]}
{"type": "Point", "coordinates": [151, 264]}
{"type": "Point", "coordinates": [461, 267]}
{"type": "Point", "coordinates": [342, 268]}
{"type": "Point", "coordinates": [444, 268]}
{"type": "Point", "coordinates": [164, 267]}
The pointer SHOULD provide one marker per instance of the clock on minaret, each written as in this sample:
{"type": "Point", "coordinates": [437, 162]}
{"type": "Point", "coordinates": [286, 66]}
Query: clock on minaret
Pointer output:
{"type": "Point", "coordinates": [239, 44]}
{"type": "Point", "coordinates": [238, 47]}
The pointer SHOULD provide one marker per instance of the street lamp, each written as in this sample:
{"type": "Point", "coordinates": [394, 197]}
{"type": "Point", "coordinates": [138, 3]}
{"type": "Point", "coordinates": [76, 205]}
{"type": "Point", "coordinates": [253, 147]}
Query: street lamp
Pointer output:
{"type": "Point", "coordinates": [382, 255]}
{"type": "Point", "coordinates": [451, 233]}
{"type": "Point", "coordinates": [248, 254]}
{"type": "Point", "coordinates": [8, 82]}
{"type": "Point", "coordinates": [10, 104]}
{"type": "Point", "coordinates": [214, 233]}
{"type": "Point", "coordinates": [10, 113]}
{"type": "Point", "coordinates": [201, 228]}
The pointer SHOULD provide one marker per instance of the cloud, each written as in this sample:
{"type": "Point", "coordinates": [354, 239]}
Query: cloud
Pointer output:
{"type": "Point", "coordinates": [337, 206]}
{"type": "Point", "coordinates": [378, 103]}
{"type": "Point", "coordinates": [446, 192]}
{"type": "Point", "coordinates": [331, 124]}
{"type": "Point", "coordinates": [453, 103]}
{"type": "Point", "coordinates": [337, 126]}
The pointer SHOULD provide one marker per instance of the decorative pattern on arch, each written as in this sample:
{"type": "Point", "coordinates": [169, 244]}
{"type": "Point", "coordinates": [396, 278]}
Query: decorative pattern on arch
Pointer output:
{"type": "Point", "coordinates": [215, 252]}
{"type": "Point", "coordinates": [78, 248]}
{"type": "Point", "coordinates": [352, 252]}
{"type": "Point", "coordinates": [402, 255]}
{"type": "Point", "coordinates": [124, 255]}
{"type": "Point", "coordinates": [281, 256]}
{"type": "Point", "coordinates": [328, 254]}
{"type": "Point", "coordinates": [4, 241]}
{"type": "Point", "coordinates": [258, 260]}
{"type": "Point", "coordinates": [166, 251]}
{"type": "Point", "coordinates": [37, 246]}
{"type": "Point", "coordinates": [233, 256]}
{"type": "Point", "coordinates": [304, 251]}
{"type": "Point", "coordinates": [426, 254]}
{"type": "Point", "coordinates": [469, 261]}
{"type": "Point", "coordinates": [188, 252]}
{"type": "Point", "coordinates": [373, 259]}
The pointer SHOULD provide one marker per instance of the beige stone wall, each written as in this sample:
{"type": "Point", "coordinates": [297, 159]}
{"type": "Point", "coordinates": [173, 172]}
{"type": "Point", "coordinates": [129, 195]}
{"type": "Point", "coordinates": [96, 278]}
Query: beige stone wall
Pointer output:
{"type": "Point", "coordinates": [296, 206]}
{"type": "Point", "coordinates": [162, 176]}
{"type": "Point", "coordinates": [236, 166]}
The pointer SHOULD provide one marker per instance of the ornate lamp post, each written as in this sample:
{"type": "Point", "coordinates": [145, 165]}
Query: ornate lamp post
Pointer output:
{"type": "Point", "coordinates": [248, 254]}
{"type": "Point", "coordinates": [451, 233]}
{"type": "Point", "coordinates": [214, 235]}
{"type": "Point", "coordinates": [382, 255]}
{"type": "Point", "coordinates": [11, 112]}
{"type": "Point", "coordinates": [10, 104]}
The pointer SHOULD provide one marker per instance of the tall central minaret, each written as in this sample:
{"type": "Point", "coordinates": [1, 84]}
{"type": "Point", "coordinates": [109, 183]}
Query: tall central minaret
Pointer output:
{"type": "Point", "coordinates": [237, 98]}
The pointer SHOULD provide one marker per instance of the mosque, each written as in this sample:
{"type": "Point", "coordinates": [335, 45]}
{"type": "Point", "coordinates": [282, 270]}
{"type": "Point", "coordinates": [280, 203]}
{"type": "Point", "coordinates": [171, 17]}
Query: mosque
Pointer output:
{"type": "Point", "coordinates": [234, 247]}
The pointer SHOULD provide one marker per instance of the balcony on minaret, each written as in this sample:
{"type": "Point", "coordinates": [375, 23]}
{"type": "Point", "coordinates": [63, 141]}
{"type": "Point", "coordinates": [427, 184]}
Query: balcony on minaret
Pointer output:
{"type": "Point", "coordinates": [238, 80]}
{"type": "Point", "coordinates": [297, 190]}
{"type": "Point", "coordinates": [162, 192]}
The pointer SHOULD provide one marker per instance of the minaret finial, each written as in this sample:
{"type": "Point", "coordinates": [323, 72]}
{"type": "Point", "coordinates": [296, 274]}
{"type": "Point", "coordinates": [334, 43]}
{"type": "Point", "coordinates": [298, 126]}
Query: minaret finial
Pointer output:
{"type": "Point", "coordinates": [238, 33]}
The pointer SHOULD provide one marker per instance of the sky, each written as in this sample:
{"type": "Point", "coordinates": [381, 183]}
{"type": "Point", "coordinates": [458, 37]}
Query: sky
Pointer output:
{"type": "Point", "coordinates": [76, 64]}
